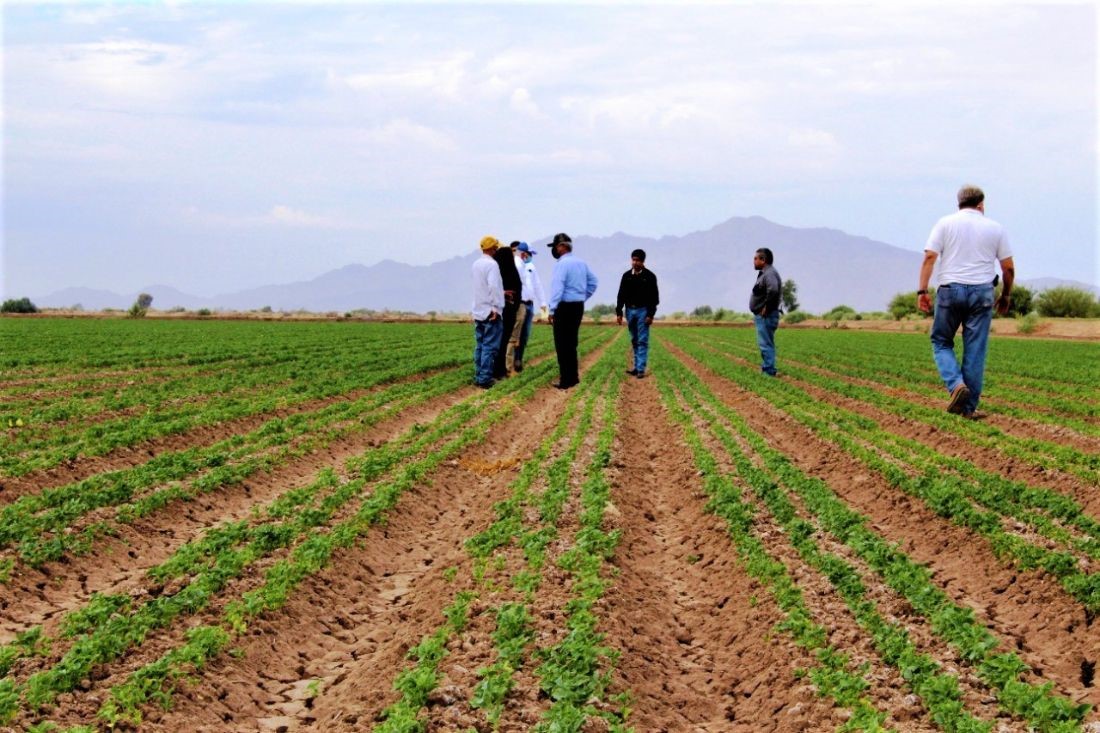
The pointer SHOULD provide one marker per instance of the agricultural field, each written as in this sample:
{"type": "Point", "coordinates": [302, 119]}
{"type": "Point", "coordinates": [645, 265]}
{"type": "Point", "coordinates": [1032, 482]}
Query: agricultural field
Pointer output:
{"type": "Point", "coordinates": [242, 526]}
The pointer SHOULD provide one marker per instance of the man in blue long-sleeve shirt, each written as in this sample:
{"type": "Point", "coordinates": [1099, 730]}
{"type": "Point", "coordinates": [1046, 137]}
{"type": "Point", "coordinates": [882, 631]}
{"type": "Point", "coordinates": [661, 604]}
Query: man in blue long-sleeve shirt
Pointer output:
{"type": "Point", "coordinates": [572, 284]}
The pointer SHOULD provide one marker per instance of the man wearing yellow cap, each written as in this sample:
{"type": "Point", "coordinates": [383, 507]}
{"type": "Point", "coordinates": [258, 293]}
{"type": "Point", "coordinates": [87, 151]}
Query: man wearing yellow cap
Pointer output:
{"type": "Point", "coordinates": [487, 309]}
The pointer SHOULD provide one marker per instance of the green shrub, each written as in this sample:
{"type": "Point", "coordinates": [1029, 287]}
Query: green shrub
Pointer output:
{"type": "Point", "coordinates": [22, 305]}
{"type": "Point", "coordinates": [1067, 302]}
{"type": "Point", "coordinates": [840, 313]}
{"type": "Point", "coordinates": [797, 317]}
{"type": "Point", "coordinates": [204, 312]}
{"type": "Point", "coordinates": [904, 305]}
{"type": "Point", "coordinates": [1022, 301]}
{"type": "Point", "coordinates": [1027, 323]}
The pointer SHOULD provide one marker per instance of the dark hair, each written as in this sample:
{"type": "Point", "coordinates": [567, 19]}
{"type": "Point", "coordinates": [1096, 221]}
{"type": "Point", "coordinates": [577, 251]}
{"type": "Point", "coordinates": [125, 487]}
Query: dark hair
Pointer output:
{"type": "Point", "coordinates": [969, 197]}
{"type": "Point", "coordinates": [639, 253]}
{"type": "Point", "coordinates": [766, 253]}
{"type": "Point", "coordinates": [514, 244]}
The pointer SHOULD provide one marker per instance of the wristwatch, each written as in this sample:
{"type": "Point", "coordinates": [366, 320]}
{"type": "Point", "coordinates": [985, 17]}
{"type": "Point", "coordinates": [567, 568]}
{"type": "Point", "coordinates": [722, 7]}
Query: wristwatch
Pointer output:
{"type": "Point", "coordinates": [922, 292]}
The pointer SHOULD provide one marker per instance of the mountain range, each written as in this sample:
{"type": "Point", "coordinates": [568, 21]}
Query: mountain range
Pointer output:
{"type": "Point", "coordinates": [712, 267]}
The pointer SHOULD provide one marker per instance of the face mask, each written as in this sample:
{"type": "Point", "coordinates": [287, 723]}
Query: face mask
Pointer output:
{"type": "Point", "coordinates": [557, 255]}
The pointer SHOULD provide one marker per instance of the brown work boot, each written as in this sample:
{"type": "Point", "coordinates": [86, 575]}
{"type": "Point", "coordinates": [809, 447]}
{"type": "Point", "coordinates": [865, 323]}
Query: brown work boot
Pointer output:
{"type": "Point", "coordinates": [959, 396]}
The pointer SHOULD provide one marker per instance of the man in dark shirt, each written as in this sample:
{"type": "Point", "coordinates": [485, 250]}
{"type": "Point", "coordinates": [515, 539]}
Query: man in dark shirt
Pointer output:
{"type": "Point", "coordinates": [638, 296]}
{"type": "Point", "coordinates": [764, 305]}
{"type": "Point", "coordinates": [513, 296]}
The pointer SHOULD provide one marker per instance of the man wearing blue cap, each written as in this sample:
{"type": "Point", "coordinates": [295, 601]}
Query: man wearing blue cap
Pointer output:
{"type": "Point", "coordinates": [572, 284]}
{"type": "Point", "coordinates": [533, 295]}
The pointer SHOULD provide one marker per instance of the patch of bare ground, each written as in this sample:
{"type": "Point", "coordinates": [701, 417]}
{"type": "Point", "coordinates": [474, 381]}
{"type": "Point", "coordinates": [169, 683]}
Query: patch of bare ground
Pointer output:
{"type": "Point", "coordinates": [119, 564]}
{"type": "Point", "coordinates": [346, 631]}
{"type": "Point", "coordinates": [1027, 609]}
{"type": "Point", "coordinates": [78, 469]}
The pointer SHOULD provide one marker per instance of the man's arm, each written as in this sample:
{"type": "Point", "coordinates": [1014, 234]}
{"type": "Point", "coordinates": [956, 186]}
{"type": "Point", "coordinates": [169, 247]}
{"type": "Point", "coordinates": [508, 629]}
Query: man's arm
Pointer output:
{"type": "Point", "coordinates": [1008, 276]}
{"type": "Point", "coordinates": [924, 303]}
{"type": "Point", "coordinates": [620, 299]}
{"type": "Point", "coordinates": [591, 282]}
{"type": "Point", "coordinates": [656, 299]}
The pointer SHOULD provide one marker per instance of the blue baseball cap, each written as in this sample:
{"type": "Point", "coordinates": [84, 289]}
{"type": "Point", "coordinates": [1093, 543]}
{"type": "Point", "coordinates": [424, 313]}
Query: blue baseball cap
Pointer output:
{"type": "Point", "coordinates": [522, 247]}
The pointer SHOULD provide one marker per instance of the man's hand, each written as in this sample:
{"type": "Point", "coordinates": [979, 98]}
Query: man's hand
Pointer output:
{"type": "Point", "coordinates": [924, 303]}
{"type": "Point", "coordinates": [649, 320]}
{"type": "Point", "coordinates": [492, 315]}
{"type": "Point", "coordinates": [619, 320]}
{"type": "Point", "coordinates": [550, 318]}
{"type": "Point", "coordinates": [1003, 304]}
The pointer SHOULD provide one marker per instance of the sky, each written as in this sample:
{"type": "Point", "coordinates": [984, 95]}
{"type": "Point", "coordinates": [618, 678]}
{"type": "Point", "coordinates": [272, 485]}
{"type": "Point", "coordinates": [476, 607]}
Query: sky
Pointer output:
{"type": "Point", "coordinates": [216, 146]}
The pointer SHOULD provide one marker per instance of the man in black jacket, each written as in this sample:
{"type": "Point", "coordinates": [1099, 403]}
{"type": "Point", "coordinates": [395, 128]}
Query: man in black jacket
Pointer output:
{"type": "Point", "coordinates": [513, 296]}
{"type": "Point", "coordinates": [638, 296]}
{"type": "Point", "coordinates": [764, 305]}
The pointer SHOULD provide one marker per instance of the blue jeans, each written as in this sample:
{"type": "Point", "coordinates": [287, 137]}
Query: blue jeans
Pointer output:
{"type": "Point", "coordinates": [639, 336]}
{"type": "Point", "coordinates": [969, 306]}
{"type": "Point", "coordinates": [526, 332]}
{"type": "Point", "coordinates": [765, 339]}
{"type": "Point", "coordinates": [487, 335]}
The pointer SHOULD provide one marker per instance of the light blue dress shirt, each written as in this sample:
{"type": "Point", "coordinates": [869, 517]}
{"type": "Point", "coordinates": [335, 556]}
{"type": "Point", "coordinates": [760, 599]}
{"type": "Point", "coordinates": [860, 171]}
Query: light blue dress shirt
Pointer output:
{"type": "Point", "coordinates": [572, 282]}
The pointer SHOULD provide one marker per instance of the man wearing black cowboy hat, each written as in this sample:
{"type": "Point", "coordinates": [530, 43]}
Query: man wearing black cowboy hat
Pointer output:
{"type": "Point", "coordinates": [572, 284]}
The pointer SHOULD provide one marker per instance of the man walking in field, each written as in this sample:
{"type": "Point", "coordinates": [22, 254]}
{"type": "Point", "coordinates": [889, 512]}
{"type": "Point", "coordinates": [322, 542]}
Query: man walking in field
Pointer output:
{"type": "Point", "coordinates": [638, 297]}
{"type": "Point", "coordinates": [967, 244]}
{"type": "Point", "coordinates": [572, 284]}
{"type": "Point", "coordinates": [533, 296]}
{"type": "Point", "coordinates": [764, 306]}
{"type": "Point", "coordinates": [487, 309]}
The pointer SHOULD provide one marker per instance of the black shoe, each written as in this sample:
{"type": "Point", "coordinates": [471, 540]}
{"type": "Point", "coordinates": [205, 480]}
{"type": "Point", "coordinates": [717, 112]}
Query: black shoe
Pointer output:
{"type": "Point", "coordinates": [640, 375]}
{"type": "Point", "coordinates": [565, 385]}
{"type": "Point", "coordinates": [486, 385]}
{"type": "Point", "coordinates": [518, 367]}
{"type": "Point", "coordinates": [632, 372]}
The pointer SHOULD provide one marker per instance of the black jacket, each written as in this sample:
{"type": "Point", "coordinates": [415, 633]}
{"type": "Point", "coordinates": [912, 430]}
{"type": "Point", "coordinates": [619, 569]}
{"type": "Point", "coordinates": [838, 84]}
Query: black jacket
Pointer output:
{"type": "Point", "coordinates": [509, 274]}
{"type": "Point", "coordinates": [638, 291]}
{"type": "Point", "coordinates": [767, 291]}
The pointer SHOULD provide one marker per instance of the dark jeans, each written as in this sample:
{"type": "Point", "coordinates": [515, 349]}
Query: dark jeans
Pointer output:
{"type": "Point", "coordinates": [639, 336]}
{"type": "Point", "coordinates": [567, 325]}
{"type": "Point", "coordinates": [500, 368]}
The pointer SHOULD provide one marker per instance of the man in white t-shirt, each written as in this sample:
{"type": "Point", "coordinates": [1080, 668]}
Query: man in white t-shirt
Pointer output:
{"type": "Point", "coordinates": [968, 246]}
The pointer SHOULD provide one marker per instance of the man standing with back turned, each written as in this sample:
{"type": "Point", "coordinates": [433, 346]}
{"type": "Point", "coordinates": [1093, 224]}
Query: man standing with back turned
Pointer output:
{"type": "Point", "coordinates": [638, 296]}
{"type": "Point", "coordinates": [572, 284]}
{"type": "Point", "coordinates": [764, 306]}
{"type": "Point", "coordinates": [487, 309]}
{"type": "Point", "coordinates": [967, 245]}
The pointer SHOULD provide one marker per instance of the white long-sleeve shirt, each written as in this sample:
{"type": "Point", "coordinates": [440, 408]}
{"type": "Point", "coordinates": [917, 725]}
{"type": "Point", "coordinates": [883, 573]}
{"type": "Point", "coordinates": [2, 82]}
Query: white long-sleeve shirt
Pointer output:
{"type": "Point", "coordinates": [488, 288]}
{"type": "Point", "coordinates": [532, 286]}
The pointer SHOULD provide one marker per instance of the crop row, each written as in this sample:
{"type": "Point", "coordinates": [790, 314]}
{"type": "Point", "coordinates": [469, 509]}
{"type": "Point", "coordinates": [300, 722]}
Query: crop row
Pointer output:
{"type": "Point", "coordinates": [805, 508]}
{"type": "Point", "coordinates": [1059, 536]}
{"type": "Point", "coordinates": [574, 673]}
{"type": "Point", "coordinates": [1042, 453]}
{"type": "Point", "coordinates": [296, 538]}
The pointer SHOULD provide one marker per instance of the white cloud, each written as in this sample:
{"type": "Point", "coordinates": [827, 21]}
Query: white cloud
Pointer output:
{"type": "Point", "coordinates": [521, 101]}
{"type": "Point", "coordinates": [296, 217]}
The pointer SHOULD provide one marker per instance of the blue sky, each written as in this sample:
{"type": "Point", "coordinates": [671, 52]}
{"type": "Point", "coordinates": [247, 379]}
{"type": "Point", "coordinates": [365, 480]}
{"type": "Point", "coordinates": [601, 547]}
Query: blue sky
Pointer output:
{"type": "Point", "coordinates": [218, 146]}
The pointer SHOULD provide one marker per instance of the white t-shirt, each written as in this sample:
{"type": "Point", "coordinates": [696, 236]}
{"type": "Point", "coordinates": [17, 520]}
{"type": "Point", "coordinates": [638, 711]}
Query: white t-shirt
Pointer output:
{"type": "Point", "coordinates": [969, 246]}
